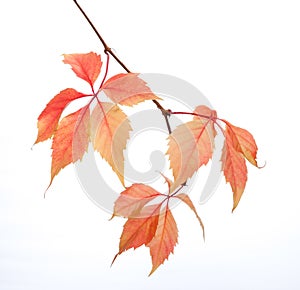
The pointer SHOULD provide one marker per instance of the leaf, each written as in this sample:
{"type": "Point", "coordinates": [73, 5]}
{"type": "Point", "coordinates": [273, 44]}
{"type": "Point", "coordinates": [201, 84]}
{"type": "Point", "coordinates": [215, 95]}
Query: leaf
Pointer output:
{"type": "Point", "coordinates": [243, 142]}
{"type": "Point", "coordinates": [234, 168]}
{"type": "Point", "coordinates": [70, 140]}
{"type": "Point", "coordinates": [148, 224]}
{"type": "Point", "coordinates": [186, 199]}
{"type": "Point", "coordinates": [110, 130]}
{"type": "Point", "coordinates": [86, 66]}
{"type": "Point", "coordinates": [190, 147]}
{"type": "Point", "coordinates": [140, 230]}
{"type": "Point", "coordinates": [48, 119]}
{"type": "Point", "coordinates": [128, 89]}
{"type": "Point", "coordinates": [206, 111]}
{"type": "Point", "coordinates": [164, 241]}
{"type": "Point", "coordinates": [133, 199]}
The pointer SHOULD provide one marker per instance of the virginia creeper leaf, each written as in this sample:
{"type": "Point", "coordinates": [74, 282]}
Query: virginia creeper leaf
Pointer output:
{"type": "Point", "coordinates": [190, 147]}
{"type": "Point", "coordinates": [243, 142]}
{"type": "Point", "coordinates": [70, 140]}
{"type": "Point", "coordinates": [234, 168]}
{"type": "Point", "coordinates": [48, 119]}
{"type": "Point", "coordinates": [110, 130]}
{"type": "Point", "coordinates": [164, 241]}
{"type": "Point", "coordinates": [206, 111]}
{"type": "Point", "coordinates": [86, 66]}
{"type": "Point", "coordinates": [127, 89]}
{"type": "Point", "coordinates": [140, 230]}
{"type": "Point", "coordinates": [133, 199]}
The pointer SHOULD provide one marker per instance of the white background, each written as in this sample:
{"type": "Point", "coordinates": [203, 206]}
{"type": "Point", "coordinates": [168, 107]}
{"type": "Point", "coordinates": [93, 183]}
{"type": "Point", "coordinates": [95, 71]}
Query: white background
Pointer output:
{"type": "Point", "coordinates": [243, 55]}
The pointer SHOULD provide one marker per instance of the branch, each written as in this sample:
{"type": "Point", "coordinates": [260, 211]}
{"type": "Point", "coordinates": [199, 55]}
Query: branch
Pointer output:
{"type": "Point", "coordinates": [107, 50]}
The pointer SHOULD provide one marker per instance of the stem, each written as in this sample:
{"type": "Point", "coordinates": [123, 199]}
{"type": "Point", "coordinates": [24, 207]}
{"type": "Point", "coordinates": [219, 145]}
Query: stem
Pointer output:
{"type": "Point", "coordinates": [106, 72]}
{"type": "Point", "coordinates": [165, 113]}
{"type": "Point", "coordinates": [107, 49]}
{"type": "Point", "coordinates": [189, 113]}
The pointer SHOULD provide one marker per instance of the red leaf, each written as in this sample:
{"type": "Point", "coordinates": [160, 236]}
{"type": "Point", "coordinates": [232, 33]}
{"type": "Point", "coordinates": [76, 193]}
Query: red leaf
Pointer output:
{"type": "Point", "coordinates": [133, 199]}
{"type": "Point", "coordinates": [70, 140]}
{"type": "Point", "coordinates": [48, 119]}
{"type": "Point", "coordinates": [110, 130]}
{"type": "Point", "coordinates": [234, 168]}
{"type": "Point", "coordinates": [147, 225]}
{"type": "Point", "coordinates": [243, 142]}
{"type": "Point", "coordinates": [140, 230]}
{"type": "Point", "coordinates": [164, 241]}
{"type": "Point", "coordinates": [86, 66]}
{"type": "Point", "coordinates": [127, 89]}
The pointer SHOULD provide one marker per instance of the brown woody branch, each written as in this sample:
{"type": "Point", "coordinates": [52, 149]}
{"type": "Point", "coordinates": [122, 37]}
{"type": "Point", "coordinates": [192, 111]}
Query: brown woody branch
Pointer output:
{"type": "Point", "coordinates": [108, 50]}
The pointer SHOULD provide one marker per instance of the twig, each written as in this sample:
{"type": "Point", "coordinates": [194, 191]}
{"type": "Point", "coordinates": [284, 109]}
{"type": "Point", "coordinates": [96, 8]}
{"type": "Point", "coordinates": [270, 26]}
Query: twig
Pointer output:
{"type": "Point", "coordinates": [107, 50]}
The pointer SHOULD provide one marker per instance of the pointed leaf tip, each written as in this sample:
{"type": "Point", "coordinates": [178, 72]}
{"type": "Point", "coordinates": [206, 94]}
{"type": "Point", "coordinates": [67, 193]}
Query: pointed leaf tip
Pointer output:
{"type": "Point", "coordinates": [49, 118]}
{"type": "Point", "coordinates": [86, 66]}
{"type": "Point", "coordinates": [234, 168]}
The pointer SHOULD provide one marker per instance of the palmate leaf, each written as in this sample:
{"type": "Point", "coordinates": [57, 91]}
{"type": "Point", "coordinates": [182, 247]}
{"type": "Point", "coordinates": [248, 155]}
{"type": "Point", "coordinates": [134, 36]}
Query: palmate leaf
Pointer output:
{"type": "Point", "coordinates": [151, 225]}
{"type": "Point", "coordinates": [107, 127]}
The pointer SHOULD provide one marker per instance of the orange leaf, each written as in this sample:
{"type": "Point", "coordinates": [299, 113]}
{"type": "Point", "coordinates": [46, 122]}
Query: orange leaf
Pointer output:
{"type": "Point", "coordinates": [140, 230]}
{"type": "Point", "coordinates": [186, 199]}
{"type": "Point", "coordinates": [110, 130]}
{"type": "Point", "coordinates": [164, 241]}
{"type": "Point", "coordinates": [70, 140]}
{"type": "Point", "coordinates": [243, 142]}
{"type": "Point", "coordinates": [234, 168]}
{"type": "Point", "coordinates": [127, 89]}
{"type": "Point", "coordinates": [86, 66]}
{"type": "Point", "coordinates": [48, 119]}
{"type": "Point", "coordinates": [133, 199]}
{"type": "Point", "coordinates": [206, 111]}
{"type": "Point", "coordinates": [190, 147]}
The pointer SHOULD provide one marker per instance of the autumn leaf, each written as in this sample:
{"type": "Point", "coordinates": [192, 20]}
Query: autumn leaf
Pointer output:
{"type": "Point", "coordinates": [206, 111]}
{"type": "Point", "coordinates": [110, 130]}
{"type": "Point", "coordinates": [49, 118]}
{"type": "Point", "coordinates": [164, 241]}
{"type": "Point", "coordinates": [139, 231]}
{"type": "Point", "coordinates": [133, 199]}
{"type": "Point", "coordinates": [243, 142]}
{"type": "Point", "coordinates": [86, 66]}
{"type": "Point", "coordinates": [151, 225]}
{"type": "Point", "coordinates": [128, 89]}
{"type": "Point", "coordinates": [70, 140]}
{"type": "Point", "coordinates": [234, 168]}
{"type": "Point", "coordinates": [190, 146]}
